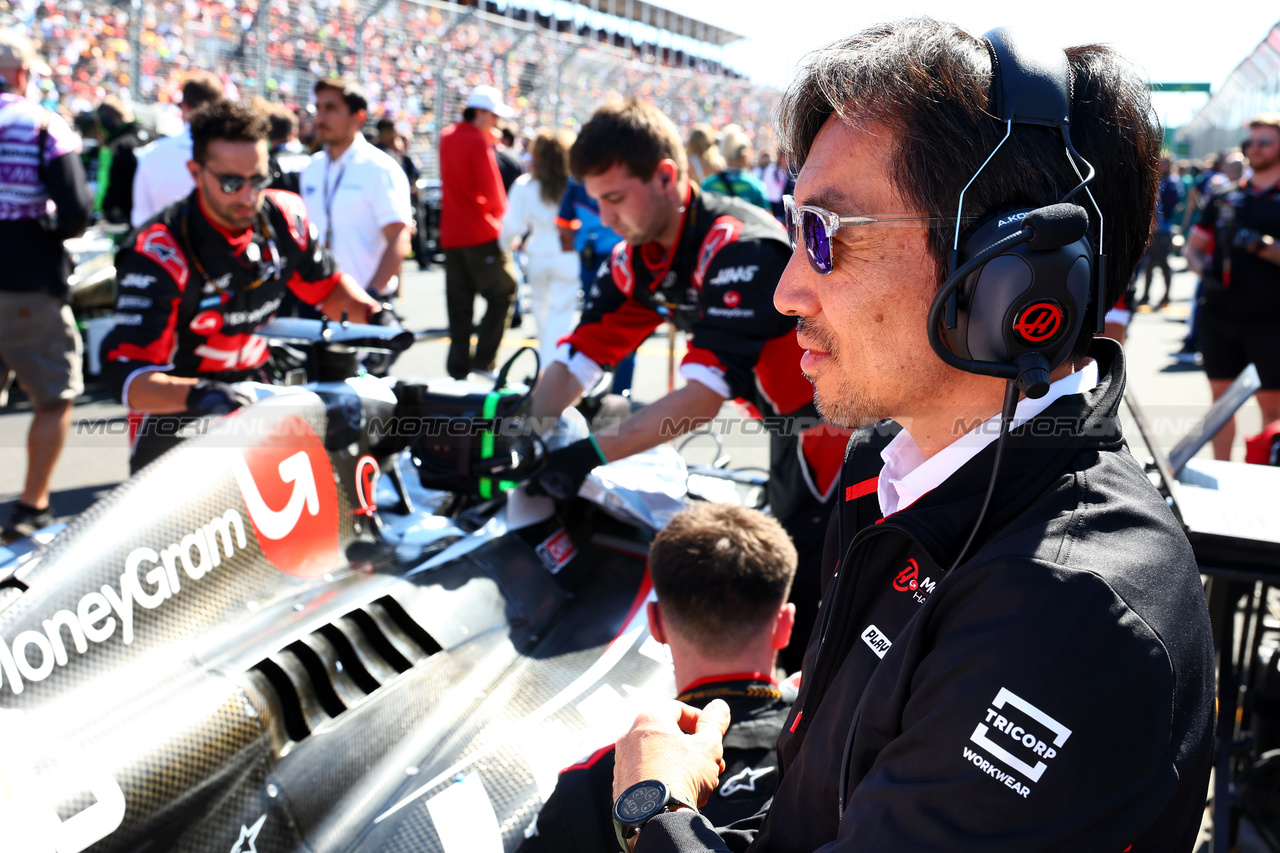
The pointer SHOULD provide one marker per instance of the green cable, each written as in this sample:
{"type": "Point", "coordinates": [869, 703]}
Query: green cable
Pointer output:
{"type": "Point", "coordinates": [488, 412]}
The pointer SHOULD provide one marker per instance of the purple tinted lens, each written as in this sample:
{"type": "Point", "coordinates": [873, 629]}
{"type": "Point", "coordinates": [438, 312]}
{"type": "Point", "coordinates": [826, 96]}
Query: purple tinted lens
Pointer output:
{"type": "Point", "coordinates": [816, 244]}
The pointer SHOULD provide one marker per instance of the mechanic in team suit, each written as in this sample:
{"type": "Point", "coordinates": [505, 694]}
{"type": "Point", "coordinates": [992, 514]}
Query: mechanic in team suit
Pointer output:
{"type": "Point", "coordinates": [721, 574]}
{"type": "Point", "coordinates": [1234, 246]}
{"type": "Point", "coordinates": [197, 279]}
{"type": "Point", "coordinates": [711, 263]}
{"type": "Point", "coordinates": [1047, 685]}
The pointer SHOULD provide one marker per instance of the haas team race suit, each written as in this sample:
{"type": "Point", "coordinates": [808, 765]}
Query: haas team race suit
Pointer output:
{"type": "Point", "coordinates": [717, 285]}
{"type": "Point", "coordinates": [191, 294]}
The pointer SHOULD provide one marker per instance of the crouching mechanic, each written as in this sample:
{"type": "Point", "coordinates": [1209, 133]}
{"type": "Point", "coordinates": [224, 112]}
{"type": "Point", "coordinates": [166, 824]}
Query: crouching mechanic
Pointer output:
{"type": "Point", "coordinates": [196, 280]}
{"type": "Point", "coordinates": [711, 263]}
{"type": "Point", "coordinates": [1048, 684]}
{"type": "Point", "coordinates": [721, 574]}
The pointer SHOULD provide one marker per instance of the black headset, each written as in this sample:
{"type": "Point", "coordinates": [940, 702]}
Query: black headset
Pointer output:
{"type": "Point", "coordinates": [1020, 282]}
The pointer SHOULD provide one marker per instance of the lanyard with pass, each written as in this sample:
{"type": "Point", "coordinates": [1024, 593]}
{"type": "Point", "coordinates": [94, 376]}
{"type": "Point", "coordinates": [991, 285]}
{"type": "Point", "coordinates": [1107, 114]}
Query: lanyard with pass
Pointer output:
{"type": "Point", "coordinates": [329, 194]}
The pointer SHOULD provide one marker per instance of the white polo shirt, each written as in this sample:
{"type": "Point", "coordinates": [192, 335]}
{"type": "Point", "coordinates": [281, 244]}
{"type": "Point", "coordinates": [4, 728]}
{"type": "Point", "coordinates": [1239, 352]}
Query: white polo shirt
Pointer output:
{"type": "Point", "coordinates": [162, 177]}
{"type": "Point", "coordinates": [351, 200]}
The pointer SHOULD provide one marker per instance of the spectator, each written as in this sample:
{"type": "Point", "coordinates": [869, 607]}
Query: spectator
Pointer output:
{"type": "Point", "coordinates": [510, 165]}
{"type": "Point", "coordinates": [721, 575]}
{"type": "Point", "coordinates": [118, 160]}
{"type": "Point", "coordinates": [582, 230]}
{"type": "Point", "coordinates": [1167, 200]}
{"type": "Point", "coordinates": [357, 196]}
{"type": "Point", "coordinates": [162, 176]}
{"type": "Point", "coordinates": [472, 205]}
{"type": "Point", "coordinates": [701, 140]}
{"type": "Point", "coordinates": [39, 164]}
{"type": "Point", "coordinates": [735, 179]}
{"type": "Point", "coordinates": [1234, 248]}
{"type": "Point", "coordinates": [777, 183]}
{"type": "Point", "coordinates": [288, 156]}
{"type": "Point", "coordinates": [553, 272]}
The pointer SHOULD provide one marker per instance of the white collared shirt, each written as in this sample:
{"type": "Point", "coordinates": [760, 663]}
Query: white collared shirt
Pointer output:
{"type": "Point", "coordinates": [162, 177]}
{"type": "Point", "coordinates": [364, 190]}
{"type": "Point", "coordinates": [907, 475]}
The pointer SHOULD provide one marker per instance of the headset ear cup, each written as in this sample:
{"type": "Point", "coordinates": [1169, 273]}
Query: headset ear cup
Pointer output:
{"type": "Point", "coordinates": [1022, 301]}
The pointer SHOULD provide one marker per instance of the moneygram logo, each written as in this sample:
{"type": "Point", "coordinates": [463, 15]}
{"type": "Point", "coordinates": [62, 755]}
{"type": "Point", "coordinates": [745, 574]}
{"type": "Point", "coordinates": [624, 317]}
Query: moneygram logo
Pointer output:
{"type": "Point", "coordinates": [288, 489]}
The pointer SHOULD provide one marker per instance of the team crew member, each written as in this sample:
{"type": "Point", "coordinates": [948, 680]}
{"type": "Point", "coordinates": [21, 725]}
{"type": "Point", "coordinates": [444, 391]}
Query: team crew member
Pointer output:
{"type": "Point", "coordinates": [39, 163]}
{"type": "Point", "coordinates": [711, 262]}
{"type": "Point", "coordinates": [721, 574]}
{"type": "Point", "coordinates": [1239, 320]}
{"type": "Point", "coordinates": [162, 176]}
{"type": "Point", "coordinates": [200, 277]}
{"type": "Point", "coordinates": [357, 196]}
{"type": "Point", "coordinates": [1054, 690]}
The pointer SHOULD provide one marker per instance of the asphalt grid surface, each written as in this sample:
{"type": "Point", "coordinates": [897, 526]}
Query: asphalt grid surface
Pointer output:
{"type": "Point", "coordinates": [95, 459]}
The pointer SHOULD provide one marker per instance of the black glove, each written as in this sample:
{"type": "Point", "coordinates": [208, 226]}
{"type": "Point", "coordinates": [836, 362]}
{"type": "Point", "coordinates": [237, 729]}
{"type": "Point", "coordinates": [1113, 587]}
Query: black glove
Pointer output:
{"type": "Point", "coordinates": [211, 397]}
{"type": "Point", "coordinates": [378, 363]}
{"type": "Point", "coordinates": [1247, 239]}
{"type": "Point", "coordinates": [566, 469]}
{"type": "Point", "coordinates": [386, 317]}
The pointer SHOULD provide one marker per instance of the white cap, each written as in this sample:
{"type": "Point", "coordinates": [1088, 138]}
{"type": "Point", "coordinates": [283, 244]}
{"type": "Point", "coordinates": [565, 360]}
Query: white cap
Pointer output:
{"type": "Point", "coordinates": [489, 98]}
{"type": "Point", "coordinates": [16, 51]}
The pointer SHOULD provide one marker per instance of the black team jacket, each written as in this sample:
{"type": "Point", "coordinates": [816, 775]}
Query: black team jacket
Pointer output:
{"type": "Point", "coordinates": [1054, 692]}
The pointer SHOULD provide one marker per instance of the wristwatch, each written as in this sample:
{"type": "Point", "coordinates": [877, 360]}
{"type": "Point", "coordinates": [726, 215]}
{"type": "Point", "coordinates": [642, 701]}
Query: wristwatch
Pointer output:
{"type": "Point", "coordinates": [640, 803]}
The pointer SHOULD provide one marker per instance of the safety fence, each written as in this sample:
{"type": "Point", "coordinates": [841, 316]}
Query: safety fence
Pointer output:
{"type": "Point", "coordinates": [417, 59]}
{"type": "Point", "coordinates": [1252, 88]}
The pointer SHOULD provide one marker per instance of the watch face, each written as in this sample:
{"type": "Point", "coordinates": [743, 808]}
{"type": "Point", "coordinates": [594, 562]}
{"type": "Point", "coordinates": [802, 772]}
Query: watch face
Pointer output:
{"type": "Point", "coordinates": [641, 801]}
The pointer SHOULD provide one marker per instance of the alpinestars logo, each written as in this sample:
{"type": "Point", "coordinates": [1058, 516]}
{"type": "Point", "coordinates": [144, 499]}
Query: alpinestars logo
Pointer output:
{"type": "Point", "coordinates": [744, 781]}
{"type": "Point", "coordinates": [1018, 735]}
{"type": "Point", "coordinates": [288, 488]}
{"type": "Point", "coordinates": [158, 244]}
{"type": "Point", "coordinates": [248, 840]}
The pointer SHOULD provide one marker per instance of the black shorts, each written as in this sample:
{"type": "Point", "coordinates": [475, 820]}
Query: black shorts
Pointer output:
{"type": "Point", "coordinates": [1229, 344]}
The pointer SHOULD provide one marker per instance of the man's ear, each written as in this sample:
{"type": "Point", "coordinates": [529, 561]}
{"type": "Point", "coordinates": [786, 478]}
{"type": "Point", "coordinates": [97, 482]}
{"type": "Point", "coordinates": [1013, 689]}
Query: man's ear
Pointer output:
{"type": "Point", "coordinates": [194, 168]}
{"type": "Point", "coordinates": [783, 623]}
{"type": "Point", "coordinates": [668, 172]}
{"type": "Point", "coordinates": [655, 621]}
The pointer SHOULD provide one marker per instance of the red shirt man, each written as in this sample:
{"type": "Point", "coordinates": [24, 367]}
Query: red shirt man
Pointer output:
{"type": "Point", "coordinates": [471, 208]}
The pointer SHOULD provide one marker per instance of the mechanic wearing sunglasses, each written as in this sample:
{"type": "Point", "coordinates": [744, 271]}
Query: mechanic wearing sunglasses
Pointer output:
{"type": "Point", "coordinates": [196, 281]}
{"type": "Point", "coordinates": [1039, 677]}
{"type": "Point", "coordinates": [710, 263]}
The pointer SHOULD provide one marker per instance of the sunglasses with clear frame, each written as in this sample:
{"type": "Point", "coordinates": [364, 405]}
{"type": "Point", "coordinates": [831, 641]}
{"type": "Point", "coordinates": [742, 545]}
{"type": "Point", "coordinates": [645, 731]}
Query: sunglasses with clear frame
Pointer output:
{"type": "Point", "coordinates": [815, 227]}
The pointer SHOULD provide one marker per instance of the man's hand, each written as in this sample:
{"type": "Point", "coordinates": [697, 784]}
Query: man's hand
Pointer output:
{"type": "Point", "coordinates": [678, 745]}
{"type": "Point", "coordinates": [566, 469]}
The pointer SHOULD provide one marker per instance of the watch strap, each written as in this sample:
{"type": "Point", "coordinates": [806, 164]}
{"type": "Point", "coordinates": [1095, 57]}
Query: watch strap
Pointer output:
{"type": "Point", "coordinates": [625, 832]}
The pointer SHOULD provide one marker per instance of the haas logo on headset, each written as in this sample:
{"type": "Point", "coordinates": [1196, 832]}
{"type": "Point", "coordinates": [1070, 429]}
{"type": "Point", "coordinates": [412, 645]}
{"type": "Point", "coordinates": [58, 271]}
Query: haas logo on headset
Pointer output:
{"type": "Point", "coordinates": [1039, 322]}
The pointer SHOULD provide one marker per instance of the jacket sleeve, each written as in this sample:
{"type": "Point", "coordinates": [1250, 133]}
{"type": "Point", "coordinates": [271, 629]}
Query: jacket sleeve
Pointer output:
{"type": "Point", "coordinates": [65, 182]}
{"type": "Point", "coordinates": [315, 273]}
{"type": "Point", "coordinates": [152, 275]}
{"type": "Point", "coordinates": [1037, 714]}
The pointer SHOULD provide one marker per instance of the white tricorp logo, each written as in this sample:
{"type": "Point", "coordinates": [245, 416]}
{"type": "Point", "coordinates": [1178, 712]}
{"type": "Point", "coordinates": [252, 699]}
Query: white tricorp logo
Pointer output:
{"type": "Point", "coordinates": [1014, 726]}
{"type": "Point", "coordinates": [271, 523]}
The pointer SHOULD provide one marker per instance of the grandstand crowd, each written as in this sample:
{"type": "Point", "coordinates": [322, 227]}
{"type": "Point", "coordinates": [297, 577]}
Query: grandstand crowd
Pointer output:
{"type": "Point", "coordinates": [417, 59]}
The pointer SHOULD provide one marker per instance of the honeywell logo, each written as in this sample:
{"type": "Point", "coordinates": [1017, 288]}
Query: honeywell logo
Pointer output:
{"type": "Point", "coordinates": [150, 578]}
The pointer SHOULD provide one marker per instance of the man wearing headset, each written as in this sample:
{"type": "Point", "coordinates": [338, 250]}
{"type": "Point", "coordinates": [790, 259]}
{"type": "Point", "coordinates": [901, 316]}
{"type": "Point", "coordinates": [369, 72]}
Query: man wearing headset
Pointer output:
{"type": "Point", "coordinates": [709, 263]}
{"type": "Point", "coordinates": [1038, 676]}
{"type": "Point", "coordinates": [197, 279]}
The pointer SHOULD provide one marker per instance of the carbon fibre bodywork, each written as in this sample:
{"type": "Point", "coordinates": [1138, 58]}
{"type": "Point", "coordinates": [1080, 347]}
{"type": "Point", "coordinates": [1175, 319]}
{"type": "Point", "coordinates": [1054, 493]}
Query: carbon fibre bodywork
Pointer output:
{"type": "Point", "coordinates": [237, 651]}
